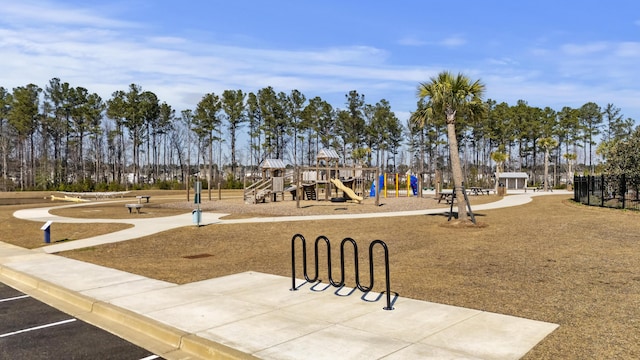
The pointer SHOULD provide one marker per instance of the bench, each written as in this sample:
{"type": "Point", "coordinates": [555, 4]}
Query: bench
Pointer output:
{"type": "Point", "coordinates": [133, 206]}
{"type": "Point", "coordinates": [140, 197]}
{"type": "Point", "coordinates": [537, 188]}
{"type": "Point", "coordinates": [479, 191]}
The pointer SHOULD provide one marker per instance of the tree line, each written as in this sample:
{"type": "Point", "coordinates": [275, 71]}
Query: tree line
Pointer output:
{"type": "Point", "coordinates": [68, 138]}
{"type": "Point", "coordinates": [502, 137]}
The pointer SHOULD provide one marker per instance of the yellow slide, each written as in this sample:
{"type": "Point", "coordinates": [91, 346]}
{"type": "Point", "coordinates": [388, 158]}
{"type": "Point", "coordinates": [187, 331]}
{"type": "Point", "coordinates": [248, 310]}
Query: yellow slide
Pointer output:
{"type": "Point", "coordinates": [347, 191]}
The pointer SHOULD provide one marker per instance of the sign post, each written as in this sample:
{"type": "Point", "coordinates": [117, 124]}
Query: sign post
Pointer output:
{"type": "Point", "coordinates": [47, 231]}
{"type": "Point", "coordinates": [196, 199]}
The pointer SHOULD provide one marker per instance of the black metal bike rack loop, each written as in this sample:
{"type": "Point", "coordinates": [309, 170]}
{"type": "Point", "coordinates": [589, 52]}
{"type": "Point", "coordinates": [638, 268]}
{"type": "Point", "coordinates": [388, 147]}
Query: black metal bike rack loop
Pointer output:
{"type": "Point", "coordinates": [340, 283]}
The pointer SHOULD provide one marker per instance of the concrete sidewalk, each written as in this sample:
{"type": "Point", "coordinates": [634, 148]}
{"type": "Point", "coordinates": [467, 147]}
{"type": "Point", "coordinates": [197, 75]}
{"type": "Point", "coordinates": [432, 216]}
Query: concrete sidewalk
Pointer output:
{"type": "Point", "coordinates": [256, 315]}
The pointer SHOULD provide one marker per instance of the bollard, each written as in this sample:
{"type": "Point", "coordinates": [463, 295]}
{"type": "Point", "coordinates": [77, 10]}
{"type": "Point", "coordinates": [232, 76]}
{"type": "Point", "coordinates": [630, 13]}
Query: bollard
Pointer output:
{"type": "Point", "coordinates": [197, 216]}
{"type": "Point", "coordinates": [47, 231]}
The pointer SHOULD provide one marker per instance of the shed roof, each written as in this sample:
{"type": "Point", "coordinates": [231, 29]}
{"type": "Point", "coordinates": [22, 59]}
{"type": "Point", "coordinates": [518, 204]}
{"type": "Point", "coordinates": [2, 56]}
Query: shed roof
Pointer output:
{"type": "Point", "coordinates": [327, 154]}
{"type": "Point", "coordinates": [273, 164]}
{"type": "Point", "coordinates": [513, 175]}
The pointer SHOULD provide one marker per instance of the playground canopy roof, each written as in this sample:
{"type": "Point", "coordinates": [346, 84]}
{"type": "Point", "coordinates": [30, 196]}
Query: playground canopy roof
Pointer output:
{"type": "Point", "coordinates": [327, 154]}
{"type": "Point", "coordinates": [273, 164]}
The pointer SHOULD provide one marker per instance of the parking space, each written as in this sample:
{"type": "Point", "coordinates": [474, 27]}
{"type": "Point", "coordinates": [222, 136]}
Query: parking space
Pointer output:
{"type": "Point", "coordinates": [30, 329]}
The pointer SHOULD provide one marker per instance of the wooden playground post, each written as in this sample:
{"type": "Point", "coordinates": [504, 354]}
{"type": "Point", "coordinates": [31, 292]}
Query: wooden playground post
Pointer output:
{"type": "Point", "coordinates": [298, 184]}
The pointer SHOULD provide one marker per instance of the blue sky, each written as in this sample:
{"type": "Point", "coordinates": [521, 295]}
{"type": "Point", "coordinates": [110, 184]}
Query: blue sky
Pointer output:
{"type": "Point", "coordinates": [548, 53]}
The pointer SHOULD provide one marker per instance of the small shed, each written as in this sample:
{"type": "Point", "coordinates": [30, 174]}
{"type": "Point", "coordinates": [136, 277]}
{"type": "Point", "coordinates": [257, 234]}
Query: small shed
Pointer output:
{"type": "Point", "coordinates": [513, 180]}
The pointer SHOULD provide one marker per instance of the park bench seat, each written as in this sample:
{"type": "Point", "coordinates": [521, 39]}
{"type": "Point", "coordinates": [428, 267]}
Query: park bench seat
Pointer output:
{"type": "Point", "coordinates": [133, 206]}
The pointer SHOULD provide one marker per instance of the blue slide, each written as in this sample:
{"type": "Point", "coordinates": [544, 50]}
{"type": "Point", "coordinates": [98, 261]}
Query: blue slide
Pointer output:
{"type": "Point", "coordinates": [414, 185]}
{"type": "Point", "coordinates": [372, 192]}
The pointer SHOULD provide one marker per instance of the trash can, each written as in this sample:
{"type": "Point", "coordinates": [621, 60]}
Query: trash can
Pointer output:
{"type": "Point", "coordinates": [197, 216]}
{"type": "Point", "coordinates": [502, 190]}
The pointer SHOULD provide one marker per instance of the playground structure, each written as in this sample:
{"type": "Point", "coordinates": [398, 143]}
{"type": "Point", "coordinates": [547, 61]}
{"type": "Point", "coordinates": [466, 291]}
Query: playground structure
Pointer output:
{"type": "Point", "coordinates": [401, 185]}
{"type": "Point", "coordinates": [270, 186]}
{"type": "Point", "coordinates": [316, 182]}
{"type": "Point", "coordinates": [327, 181]}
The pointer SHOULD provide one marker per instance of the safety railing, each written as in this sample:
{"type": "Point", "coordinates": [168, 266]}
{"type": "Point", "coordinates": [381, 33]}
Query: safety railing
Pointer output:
{"type": "Point", "coordinates": [340, 283]}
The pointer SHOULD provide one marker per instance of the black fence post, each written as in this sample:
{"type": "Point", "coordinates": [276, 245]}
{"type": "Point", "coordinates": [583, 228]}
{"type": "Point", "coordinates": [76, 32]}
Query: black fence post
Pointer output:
{"type": "Point", "coordinates": [589, 187]}
{"type": "Point", "coordinates": [623, 189]}
{"type": "Point", "coordinates": [602, 188]}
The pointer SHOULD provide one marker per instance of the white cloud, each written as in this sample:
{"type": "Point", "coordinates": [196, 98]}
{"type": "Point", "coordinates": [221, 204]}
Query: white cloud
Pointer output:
{"type": "Point", "coordinates": [51, 13]}
{"type": "Point", "coordinates": [411, 40]}
{"type": "Point", "coordinates": [584, 49]}
{"type": "Point", "coordinates": [628, 49]}
{"type": "Point", "coordinates": [453, 41]}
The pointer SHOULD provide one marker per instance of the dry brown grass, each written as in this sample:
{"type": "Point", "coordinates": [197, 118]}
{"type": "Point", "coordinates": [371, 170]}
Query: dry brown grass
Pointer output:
{"type": "Point", "coordinates": [550, 260]}
{"type": "Point", "coordinates": [27, 233]}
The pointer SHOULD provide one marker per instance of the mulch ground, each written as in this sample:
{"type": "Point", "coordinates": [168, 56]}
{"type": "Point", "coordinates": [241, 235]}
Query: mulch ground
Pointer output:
{"type": "Point", "coordinates": [550, 260]}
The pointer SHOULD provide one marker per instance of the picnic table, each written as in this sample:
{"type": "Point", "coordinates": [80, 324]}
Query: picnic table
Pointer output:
{"type": "Point", "coordinates": [133, 206]}
{"type": "Point", "coordinates": [479, 191]}
{"type": "Point", "coordinates": [537, 188]}
{"type": "Point", "coordinates": [448, 196]}
{"type": "Point", "coordinates": [140, 197]}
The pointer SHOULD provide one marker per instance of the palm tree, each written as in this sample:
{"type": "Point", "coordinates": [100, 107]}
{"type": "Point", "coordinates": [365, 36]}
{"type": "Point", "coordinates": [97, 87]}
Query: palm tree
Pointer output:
{"type": "Point", "coordinates": [454, 95]}
{"type": "Point", "coordinates": [500, 156]}
{"type": "Point", "coordinates": [547, 143]}
{"type": "Point", "coordinates": [570, 157]}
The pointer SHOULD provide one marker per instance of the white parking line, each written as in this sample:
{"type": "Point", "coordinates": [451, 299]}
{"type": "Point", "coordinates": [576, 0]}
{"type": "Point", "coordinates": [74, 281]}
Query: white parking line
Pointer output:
{"type": "Point", "coordinates": [150, 357]}
{"type": "Point", "coordinates": [38, 327]}
{"type": "Point", "coordinates": [15, 298]}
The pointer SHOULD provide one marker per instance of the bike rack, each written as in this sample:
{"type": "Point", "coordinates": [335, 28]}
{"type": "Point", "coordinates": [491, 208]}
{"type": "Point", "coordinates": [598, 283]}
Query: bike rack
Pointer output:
{"type": "Point", "coordinates": [341, 283]}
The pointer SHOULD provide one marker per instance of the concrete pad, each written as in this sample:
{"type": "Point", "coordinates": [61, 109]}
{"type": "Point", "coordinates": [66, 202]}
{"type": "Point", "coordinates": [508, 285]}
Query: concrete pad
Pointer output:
{"type": "Point", "coordinates": [8, 251]}
{"type": "Point", "coordinates": [72, 274]}
{"type": "Point", "coordinates": [492, 336]}
{"type": "Point", "coordinates": [427, 352]}
{"type": "Point", "coordinates": [135, 287]}
{"type": "Point", "coordinates": [335, 342]}
{"type": "Point", "coordinates": [326, 306]}
{"type": "Point", "coordinates": [258, 314]}
{"type": "Point", "coordinates": [199, 316]}
{"type": "Point", "coordinates": [237, 282]}
{"type": "Point", "coordinates": [161, 299]}
{"type": "Point", "coordinates": [411, 320]}
{"type": "Point", "coordinates": [277, 295]}
{"type": "Point", "coordinates": [263, 331]}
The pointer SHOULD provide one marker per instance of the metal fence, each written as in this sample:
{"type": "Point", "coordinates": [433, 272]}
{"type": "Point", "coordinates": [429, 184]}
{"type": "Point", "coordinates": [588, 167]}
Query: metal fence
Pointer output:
{"type": "Point", "coordinates": [613, 191]}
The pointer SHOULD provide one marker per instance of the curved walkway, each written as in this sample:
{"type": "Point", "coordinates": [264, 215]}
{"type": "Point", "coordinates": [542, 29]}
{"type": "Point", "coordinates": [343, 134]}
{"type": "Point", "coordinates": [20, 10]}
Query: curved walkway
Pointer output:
{"type": "Point", "coordinates": [150, 226]}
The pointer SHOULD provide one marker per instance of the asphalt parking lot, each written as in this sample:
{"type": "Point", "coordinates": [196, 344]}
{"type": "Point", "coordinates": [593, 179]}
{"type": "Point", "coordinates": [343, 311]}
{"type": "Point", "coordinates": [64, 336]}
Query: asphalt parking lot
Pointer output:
{"type": "Point", "coordinates": [30, 329]}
